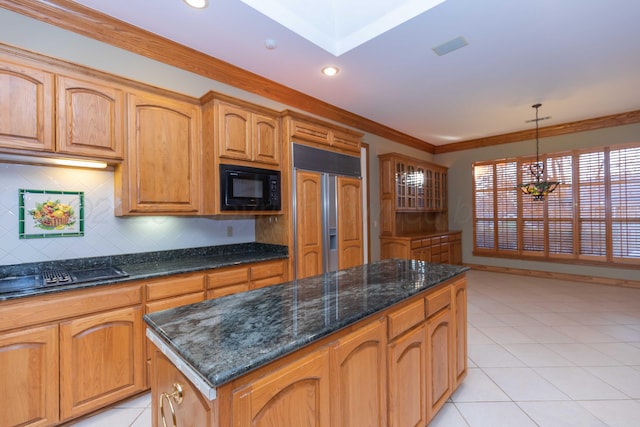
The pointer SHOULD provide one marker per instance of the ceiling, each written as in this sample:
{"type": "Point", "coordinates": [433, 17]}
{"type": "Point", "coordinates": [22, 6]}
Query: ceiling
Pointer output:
{"type": "Point", "coordinates": [579, 58]}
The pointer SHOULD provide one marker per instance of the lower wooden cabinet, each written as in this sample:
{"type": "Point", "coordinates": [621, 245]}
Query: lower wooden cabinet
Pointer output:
{"type": "Point", "coordinates": [439, 360]}
{"type": "Point", "coordinates": [29, 377]}
{"type": "Point", "coordinates": [445, 248]}
{"type": "Point", "coordinates": [358, 365]}
{"type": "Point", "coordinates": [179, 398]}
{"type": "Point", "coordinates": [460, 317]}
{"type": "Point", "coordinates": [294, 396]}
{"type": "Point", "coordinates": [408, 379]}
{"type": "Point", "coordinates": [232, 280]}
{"type": "Point", "coordinates": [394, 370]}
{"type": "Point", "coordinates": [101, 360]}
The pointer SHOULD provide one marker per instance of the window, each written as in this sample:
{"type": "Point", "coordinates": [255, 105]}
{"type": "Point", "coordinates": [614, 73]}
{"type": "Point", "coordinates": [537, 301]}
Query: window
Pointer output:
{"type": "Point", "coordinates": [593, 215]}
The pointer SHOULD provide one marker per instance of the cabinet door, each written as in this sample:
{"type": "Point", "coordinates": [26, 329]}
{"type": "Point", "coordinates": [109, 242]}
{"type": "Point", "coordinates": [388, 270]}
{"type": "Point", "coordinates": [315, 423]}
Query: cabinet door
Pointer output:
{"type": "Point", "coordinates": [440, 360]}
{"type": "Point", "coordinates": [358, 363]}
{"type": "Point", "coordinates": [350, 244]}
{"type": "Point", "coordinates": [101, 360]}
{"type": "Point", "coordinates": [234, 132]}
{"type": "Point", "coordinates": [408, 380]}
{"type": "Point", "coordinates": [162, 171]}
{"type": "Point", "coordinates": [265, 139]}
{"type": "Point", "coordinates": [89, 119]}
{"type": "Point", "coordinates": [192, 410]}
{"type": "Point", "coordinates": [308, 224]}
{"type": "Point", "coordinates": [26, 107]}
{"type": "Point", "coordinates": [460, 310]}
{"type": "Point", "coordinates": [294, 396]}
{"type": "Point", "coordinates": [29, 377]}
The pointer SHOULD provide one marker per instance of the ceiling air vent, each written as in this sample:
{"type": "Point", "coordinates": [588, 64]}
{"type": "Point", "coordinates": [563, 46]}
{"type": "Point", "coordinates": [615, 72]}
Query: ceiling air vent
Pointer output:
{"type": "Point", "coordinates": [450, 46]}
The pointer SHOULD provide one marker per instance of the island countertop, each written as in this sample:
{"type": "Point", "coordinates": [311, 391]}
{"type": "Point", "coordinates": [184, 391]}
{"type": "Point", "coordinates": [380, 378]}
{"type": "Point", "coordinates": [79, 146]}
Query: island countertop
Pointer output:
{"type": "Point", "coordinates": [222, 339]}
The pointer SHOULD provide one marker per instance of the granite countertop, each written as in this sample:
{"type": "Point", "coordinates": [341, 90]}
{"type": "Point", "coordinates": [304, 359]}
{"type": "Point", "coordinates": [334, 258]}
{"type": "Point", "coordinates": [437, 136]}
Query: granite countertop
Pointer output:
{"type": "Point", "coordinates": [143, 265]}
{"type": "Point", "coordinates": [224, 338]}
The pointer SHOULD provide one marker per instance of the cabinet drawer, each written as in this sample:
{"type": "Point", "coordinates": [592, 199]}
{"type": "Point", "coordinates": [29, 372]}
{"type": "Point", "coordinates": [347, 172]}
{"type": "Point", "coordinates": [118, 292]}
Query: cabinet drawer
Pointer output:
{"type": "Point", "coordinates": [406, 317]}
{"type": "Point", "coordinates": [267, 274]}
{"type": "Point", "coordinates": [227, 290]}
{"type": "Point", "coordinates": [174, 302]}
{"type": "Point", "coordinates": [165, 288]}
{"type": "Point", "coordinates": [416, 244]}
{"type": "Point", "coordinates": [227, 276]}
{"type": "Point", "coordinates": [438, 300]}
{"type": "Point", "coordinates": [19, 313]}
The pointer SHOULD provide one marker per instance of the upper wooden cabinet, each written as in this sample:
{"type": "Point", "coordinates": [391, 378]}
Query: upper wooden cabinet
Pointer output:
{"type": "Point", "coordinates": [48, 110]}
{"type": "Point", "coordinates": [307, 130]}
{"type": "Point", "coordinates": [90, 118]}
{"type": "Point", "coordinates": [413, 185]}
{"type": "Point", "coordinates": [26, 107]}
{"type": "Point", "coordinates": [413, 196]}
{"type": "Point", "coordinates": [241, 132]}
{"type": "Point", "coordinates": [161, 171]}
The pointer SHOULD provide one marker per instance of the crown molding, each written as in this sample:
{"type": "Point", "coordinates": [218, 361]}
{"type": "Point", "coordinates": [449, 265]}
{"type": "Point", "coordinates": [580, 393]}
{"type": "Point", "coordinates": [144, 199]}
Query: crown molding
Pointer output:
{"type": "Point", "coordinates": [544, 132]}
{"type": "Point", "coordinates": [81, 20]}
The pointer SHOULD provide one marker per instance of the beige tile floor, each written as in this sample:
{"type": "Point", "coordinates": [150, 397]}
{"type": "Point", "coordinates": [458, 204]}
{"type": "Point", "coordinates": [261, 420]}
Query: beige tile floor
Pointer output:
{"type": "Point", "coordinates": [547, 353]}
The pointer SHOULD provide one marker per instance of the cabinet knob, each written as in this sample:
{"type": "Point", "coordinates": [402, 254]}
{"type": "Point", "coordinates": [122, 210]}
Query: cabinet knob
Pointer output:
{"type": "Point", "coordinates": [176, 396]}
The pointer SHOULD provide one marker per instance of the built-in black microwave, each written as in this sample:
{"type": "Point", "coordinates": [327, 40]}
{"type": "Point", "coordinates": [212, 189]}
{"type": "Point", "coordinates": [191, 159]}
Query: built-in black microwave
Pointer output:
{"type": "Point", "coordinates": [249, 189]}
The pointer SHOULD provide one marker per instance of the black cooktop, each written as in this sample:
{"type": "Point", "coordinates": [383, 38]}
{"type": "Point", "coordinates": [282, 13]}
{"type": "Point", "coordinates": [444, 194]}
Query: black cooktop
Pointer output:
{"type": "Point", "coordinates": [50, 278]}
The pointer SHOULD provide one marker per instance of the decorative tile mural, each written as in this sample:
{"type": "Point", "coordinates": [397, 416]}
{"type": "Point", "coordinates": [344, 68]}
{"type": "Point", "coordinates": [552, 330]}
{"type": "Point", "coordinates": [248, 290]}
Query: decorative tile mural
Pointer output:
{"type": "Point", "coordinates": [104, 234]}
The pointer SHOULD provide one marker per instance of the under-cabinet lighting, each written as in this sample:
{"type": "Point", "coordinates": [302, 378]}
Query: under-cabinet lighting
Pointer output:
{"type": "Point", "coordinates": [16, 158]}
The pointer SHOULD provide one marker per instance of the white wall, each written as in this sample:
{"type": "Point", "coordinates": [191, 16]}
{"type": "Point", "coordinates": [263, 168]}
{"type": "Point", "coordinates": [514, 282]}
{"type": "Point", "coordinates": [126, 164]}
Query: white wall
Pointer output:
{"type": "Point", "coordinates": [461, 198]}
{"type": "Point", "coordinates": [104, 234]}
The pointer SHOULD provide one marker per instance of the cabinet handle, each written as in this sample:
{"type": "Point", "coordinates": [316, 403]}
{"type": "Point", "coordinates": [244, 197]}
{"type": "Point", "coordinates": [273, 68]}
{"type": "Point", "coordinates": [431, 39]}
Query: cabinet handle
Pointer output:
{"type": "Point", "coordinates": [176, 396]}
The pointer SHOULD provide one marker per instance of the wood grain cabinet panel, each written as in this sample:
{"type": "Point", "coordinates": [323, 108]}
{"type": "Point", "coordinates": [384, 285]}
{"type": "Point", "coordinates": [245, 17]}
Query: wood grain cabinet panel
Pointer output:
{"type": "Point", "coordinates": [294, 396]}
{"type": "Point", "coordinates": [90, 118]}
{"type": "Point", "coordinates": [246, 132]}
{"type": "Point", "coordinates": [26, 107]}
{"type": "Point", "coordinates": [350, 242]}
{"type": "Point", "coordinates": [308, 224]}
{"type": "Point", "coordinates": [192, 411]}
{"type": "Point", "coordinates": [408, 379]}
{"type": "Point", "coordinates": [460, 318]}
{"type": "Point", "coordinates": [161, 172]}
{"type": "Point", "coordinates": [101, 360]}
{"type": "Point", "coordinates": [29, 377]}
{"type": "Point", "coordinates": [358, 363]}
{"type": "Point", "coordinates": [440, 360]}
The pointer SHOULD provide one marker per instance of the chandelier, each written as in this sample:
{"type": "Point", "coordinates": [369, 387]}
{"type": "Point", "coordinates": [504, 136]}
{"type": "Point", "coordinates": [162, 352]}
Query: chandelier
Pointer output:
{"type": "Point", "coordinates": [537, 187]}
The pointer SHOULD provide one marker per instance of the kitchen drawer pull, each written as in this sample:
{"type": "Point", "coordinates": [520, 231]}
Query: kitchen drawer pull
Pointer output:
{"type": "Point", "coordinates": [176, 396]}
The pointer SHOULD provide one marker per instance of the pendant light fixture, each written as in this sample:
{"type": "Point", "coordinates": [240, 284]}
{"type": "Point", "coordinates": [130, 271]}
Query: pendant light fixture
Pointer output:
{"type": "Point", "coordinates": [537, 187]}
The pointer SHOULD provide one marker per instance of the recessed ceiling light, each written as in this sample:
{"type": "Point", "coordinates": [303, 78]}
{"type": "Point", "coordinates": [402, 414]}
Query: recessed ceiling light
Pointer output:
{"type": "Point", "coordinates": [270, 44]}
{"type": "Point", "coordinates": [330, 71]}
{"type": "Point", "coordinates": [198, 4]}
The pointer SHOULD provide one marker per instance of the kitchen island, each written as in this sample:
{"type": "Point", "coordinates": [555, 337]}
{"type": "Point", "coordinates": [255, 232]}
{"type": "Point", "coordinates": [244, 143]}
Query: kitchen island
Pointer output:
{"type": "Point", "coordinates": [375, 345]}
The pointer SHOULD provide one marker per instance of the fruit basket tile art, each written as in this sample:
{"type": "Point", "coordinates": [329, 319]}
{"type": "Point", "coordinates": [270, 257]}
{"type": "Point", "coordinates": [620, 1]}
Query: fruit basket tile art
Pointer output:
{"type": "Point", "coordinates": [46, 213]}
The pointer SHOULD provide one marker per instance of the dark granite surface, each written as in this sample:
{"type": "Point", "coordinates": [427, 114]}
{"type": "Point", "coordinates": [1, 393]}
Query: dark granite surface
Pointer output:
{"type": "Point", "coordinates": [138, 266]}
{"type": "Point", "coordinates": [224, 338]}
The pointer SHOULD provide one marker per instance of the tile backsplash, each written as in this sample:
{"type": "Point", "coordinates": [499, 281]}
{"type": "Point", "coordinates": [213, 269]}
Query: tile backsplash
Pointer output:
{"type": "Point", "coordinates": [104, 233]}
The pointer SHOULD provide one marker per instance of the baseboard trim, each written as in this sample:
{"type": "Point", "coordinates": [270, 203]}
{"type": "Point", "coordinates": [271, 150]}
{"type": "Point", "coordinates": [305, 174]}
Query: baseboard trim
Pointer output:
{"type": "Point", "coordinates": [561, 276]}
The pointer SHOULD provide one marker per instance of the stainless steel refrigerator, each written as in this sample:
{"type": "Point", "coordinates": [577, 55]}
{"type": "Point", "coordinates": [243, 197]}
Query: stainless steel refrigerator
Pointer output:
{"type": "Point", "coordinates": [317, 208]}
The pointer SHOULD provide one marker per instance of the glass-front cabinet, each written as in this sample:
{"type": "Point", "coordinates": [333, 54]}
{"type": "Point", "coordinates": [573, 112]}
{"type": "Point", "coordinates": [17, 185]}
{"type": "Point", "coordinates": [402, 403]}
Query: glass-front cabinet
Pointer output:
{"type": "Point", "coordinates": [419, 186]}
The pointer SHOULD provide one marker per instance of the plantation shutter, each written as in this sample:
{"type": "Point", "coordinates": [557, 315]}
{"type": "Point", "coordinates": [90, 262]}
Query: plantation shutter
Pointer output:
{"type": "Point", "coordinates": [592, 205]}
{"type": "Point", "coordinates": [560, 211]}
{"type": "Point", "coordinates": [483, 206]}
{"type": "Point", "coordinates": [625, 203]}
